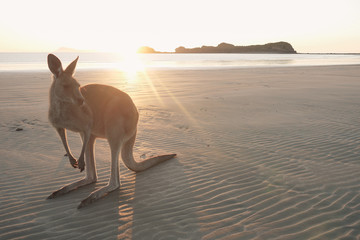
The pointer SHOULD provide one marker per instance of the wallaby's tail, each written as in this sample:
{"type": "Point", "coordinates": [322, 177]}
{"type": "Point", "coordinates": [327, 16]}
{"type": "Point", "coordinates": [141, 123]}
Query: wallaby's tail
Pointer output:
{"type": "Point", "coordinates": [137, 166]}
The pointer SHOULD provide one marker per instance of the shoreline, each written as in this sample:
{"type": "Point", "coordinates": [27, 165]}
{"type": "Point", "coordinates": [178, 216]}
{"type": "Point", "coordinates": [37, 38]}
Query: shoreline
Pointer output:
{"type": "Point", "coordinates": [152, 69]}
{"type": "Point", "coordinates": [97, 61]}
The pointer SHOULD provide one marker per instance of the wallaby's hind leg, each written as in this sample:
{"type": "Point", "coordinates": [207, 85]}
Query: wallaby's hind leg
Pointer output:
{"type": "Point", "coordinates": [114, 181]}
{"type": "Point", "coordinates": [90, 177]}
{"type": "Point", "coordinates": [90, 160]}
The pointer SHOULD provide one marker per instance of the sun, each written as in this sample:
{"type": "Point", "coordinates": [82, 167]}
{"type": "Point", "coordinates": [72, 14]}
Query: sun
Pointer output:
{"type": "Point", "coordinates": [130, 63]}
{"type": "Point", "coordinates": [128, 60]}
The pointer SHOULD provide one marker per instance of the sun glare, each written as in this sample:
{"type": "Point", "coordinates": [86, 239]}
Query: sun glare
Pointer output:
{"type": "Point", "coordinates": [131, 64]}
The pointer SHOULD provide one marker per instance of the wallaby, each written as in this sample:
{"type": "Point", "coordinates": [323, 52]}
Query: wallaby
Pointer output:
{"type": "Point", "coordinates": [95, 111]}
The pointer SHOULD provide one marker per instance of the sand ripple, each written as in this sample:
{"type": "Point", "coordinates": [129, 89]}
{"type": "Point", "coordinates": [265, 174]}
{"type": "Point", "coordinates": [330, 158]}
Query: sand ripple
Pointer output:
{"type": "Point", "coordinates": [257, 159]}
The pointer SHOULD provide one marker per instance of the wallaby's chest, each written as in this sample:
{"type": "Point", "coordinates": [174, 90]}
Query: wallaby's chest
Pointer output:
{"type": "Point", "coordinates": [58, 114]}
{"type": "Point", "coordinates": [64, 116]}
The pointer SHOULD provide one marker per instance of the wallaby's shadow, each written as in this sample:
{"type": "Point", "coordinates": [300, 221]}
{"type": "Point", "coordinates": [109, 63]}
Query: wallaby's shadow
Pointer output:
{"type": "Point", "coordinates": [158, 205]}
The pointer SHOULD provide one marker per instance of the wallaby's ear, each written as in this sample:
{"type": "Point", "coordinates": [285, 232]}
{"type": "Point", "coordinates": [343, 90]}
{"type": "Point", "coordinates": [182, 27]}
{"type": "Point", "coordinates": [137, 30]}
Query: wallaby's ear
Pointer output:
{"type": "Point", "coordinates": [71, 68]}
{"type": "Point", "coordinates": [54, 64]}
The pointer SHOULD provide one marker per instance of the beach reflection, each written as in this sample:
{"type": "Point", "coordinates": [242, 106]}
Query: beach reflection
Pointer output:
{"type": "Point", "coordinates": [125, 208]}
{"type": "Point", "coordinates": [131, 65]}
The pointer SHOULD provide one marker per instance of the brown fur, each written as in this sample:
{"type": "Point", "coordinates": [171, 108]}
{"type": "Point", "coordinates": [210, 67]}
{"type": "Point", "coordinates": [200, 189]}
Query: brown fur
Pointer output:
{"type": "Point", "coordinates": [95, 111]}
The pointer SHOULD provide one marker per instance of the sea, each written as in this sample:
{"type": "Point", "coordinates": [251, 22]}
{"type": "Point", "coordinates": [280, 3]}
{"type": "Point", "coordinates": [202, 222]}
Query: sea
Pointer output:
{"type": "Point", "coordinates": [96, 60]}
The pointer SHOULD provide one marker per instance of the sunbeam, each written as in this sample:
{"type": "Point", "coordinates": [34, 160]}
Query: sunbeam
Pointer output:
{"type": "Point", "coordinates": [169, 93]}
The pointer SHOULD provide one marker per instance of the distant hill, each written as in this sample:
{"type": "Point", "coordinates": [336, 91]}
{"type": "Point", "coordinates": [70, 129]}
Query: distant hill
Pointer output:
{"type": "Point", "coordinates": [278, 47]}
{"type": "Point", "coordinates": [146, 50]}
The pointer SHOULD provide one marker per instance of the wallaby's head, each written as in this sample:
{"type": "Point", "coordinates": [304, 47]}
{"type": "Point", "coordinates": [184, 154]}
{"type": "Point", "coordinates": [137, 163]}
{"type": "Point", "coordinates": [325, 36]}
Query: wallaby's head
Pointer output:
{"type": "Point", "coordinates": [66, 88]}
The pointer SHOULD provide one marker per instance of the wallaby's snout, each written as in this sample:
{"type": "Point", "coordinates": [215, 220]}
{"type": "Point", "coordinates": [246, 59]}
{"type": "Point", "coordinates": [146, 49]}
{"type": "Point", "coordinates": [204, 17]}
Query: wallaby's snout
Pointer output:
{"type": "Point", "coordinates": [78, 98]}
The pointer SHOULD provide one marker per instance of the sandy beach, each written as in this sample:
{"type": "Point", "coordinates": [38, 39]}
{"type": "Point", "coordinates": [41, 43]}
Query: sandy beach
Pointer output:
{"type": "Point", "coordinates": [263, 153]}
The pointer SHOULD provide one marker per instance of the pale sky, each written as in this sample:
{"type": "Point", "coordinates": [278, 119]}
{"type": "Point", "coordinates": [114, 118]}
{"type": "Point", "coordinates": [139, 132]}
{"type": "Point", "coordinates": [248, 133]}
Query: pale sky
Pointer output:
{"type": "Point", "coordinates": [122, 25]}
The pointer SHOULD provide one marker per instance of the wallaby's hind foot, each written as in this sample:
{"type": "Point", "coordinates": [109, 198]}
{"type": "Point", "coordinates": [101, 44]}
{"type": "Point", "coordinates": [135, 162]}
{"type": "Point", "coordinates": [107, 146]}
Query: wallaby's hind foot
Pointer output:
{"type": "Point", "coordinates": [100, 193]}
{"type": "Point", "coordinates": [58, 193]}
{"type": "Point", "coordinates": [71, 187]}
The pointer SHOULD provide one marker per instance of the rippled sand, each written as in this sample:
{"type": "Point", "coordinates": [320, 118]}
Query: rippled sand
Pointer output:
{"type": "Point", "coordinates": [263, 153]}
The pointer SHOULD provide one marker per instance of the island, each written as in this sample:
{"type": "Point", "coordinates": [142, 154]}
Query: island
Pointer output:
{"type": "Point", "coordinates": [278, 47]}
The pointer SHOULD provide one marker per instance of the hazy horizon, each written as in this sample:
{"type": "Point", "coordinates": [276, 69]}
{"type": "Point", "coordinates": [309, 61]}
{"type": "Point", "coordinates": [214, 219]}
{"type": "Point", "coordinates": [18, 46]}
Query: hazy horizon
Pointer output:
{"type": "Point", "coordinates": [113, 26]}
{"type": "Point", "coordinates": [64, 49]}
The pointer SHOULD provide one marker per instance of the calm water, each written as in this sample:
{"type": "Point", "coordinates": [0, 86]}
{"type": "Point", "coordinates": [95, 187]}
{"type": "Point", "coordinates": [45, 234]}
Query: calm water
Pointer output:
{"type": "Point", "coordinates": [37, 61]}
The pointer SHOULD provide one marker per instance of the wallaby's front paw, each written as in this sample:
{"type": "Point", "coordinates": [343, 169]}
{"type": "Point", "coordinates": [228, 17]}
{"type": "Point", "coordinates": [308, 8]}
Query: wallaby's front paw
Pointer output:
{"type": "Point", "coordinates": [73, 162]}
{"type": "Point", "coordinates": [81, 164]}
